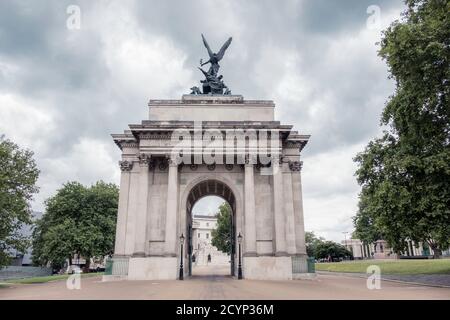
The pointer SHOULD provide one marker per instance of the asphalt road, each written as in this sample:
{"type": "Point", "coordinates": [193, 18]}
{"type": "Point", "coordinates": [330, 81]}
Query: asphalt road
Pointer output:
{"type": "Point", "coordinates": [213, 283]}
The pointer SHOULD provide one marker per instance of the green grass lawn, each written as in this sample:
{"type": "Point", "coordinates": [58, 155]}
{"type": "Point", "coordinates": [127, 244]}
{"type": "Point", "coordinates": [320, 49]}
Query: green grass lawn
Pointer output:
{"type": "Point", "coordinates": [439, 266]}
{"type": "Point", "coordinates": [45, 279]}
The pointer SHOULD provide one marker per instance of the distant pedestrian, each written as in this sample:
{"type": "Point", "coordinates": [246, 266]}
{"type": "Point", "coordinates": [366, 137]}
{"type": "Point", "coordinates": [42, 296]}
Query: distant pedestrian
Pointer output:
{"type": "Point", "coordinates": [209, 257]}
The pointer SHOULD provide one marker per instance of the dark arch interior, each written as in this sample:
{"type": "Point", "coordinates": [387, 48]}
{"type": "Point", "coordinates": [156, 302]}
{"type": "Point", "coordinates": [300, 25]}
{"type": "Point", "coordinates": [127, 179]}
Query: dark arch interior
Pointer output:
{"type": "Point", "coordinates": [203, 189]}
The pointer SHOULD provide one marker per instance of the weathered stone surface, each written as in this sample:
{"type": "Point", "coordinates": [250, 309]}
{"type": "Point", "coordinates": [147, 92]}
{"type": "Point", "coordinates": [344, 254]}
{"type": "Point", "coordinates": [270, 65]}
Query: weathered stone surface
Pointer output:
{"type": "Point", "coordinates": [152, 268]}
{"type": "Point", "coordinates": [211, 108]}
{"type": "Point", "coordinates": [264, 268]}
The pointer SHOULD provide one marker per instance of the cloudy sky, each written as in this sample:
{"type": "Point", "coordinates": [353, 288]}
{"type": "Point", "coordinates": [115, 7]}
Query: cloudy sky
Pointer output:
{"type": "Point", "coordinates": [63, 91]}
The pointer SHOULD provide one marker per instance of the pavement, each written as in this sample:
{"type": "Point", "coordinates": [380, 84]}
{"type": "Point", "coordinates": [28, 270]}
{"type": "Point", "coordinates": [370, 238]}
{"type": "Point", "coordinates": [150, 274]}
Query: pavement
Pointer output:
{"type": "Point", "coordinates": [212, 282]}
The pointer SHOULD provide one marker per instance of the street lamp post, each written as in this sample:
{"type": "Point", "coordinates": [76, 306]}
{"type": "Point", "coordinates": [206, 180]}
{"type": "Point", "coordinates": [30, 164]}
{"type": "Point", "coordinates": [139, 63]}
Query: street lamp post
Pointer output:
{"type": "Point", "coordinates": [239, 237]}
{"type": "Point", "coordinates": [181, 277]}
{"type": "Point", "coordinates": [345, 242]}
{"type": "Point", "coordinates": [345, 237]}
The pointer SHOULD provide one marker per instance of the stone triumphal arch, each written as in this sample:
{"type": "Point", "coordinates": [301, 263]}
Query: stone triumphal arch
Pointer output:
{"type": "Point", "coordinates": [160, 182]}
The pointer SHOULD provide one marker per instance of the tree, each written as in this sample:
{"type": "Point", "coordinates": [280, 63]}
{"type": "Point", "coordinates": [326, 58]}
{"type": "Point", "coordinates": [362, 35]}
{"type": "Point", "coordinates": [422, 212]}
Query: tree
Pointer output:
{"type": "Point", "coordinates": [365, 227]}
{"type": "Point", "coordinates": [221, 236]}
{"type": "Point", "coordinates": [18, 176]}
{"type": "Point", "coordinates": [77, 220]}
{"type": "Point", "coordinates": [331, 249]}
{"type": "Point", "coordinates": [319, 248]}
{"type": "Point", "coordinates": [312, 241]}
{"type": "Point", "coordinates": [405, 174]}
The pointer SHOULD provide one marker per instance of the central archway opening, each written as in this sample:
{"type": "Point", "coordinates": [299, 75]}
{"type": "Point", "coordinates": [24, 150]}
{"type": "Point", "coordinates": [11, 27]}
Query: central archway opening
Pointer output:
{"type": "Point", "coordinates": [211, 228]}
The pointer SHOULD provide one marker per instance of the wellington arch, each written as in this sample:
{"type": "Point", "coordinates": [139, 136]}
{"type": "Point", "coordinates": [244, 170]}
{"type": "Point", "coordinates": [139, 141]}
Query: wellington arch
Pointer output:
{"type": "Point", "coordinates": [158, 190]}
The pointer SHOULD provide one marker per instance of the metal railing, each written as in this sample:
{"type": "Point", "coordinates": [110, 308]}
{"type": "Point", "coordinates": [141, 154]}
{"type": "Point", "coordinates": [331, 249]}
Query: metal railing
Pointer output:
{"type": "Point", "coordinates": [116, 266]}
{"type": "Point", "coordinates": [302, 264]}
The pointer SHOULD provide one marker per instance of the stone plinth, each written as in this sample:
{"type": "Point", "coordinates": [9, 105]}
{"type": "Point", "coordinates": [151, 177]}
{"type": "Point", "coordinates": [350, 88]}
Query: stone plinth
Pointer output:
{"type": "Point", "coordinates": [267, 268]}
{"type": "Point", "coordinates": [153, 268]}
{"type": "Point", "coordinates": [211, 108]}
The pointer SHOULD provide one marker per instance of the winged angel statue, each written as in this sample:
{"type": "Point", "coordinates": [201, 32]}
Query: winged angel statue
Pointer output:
{"type": "Point", "coordinates": [213, 83]}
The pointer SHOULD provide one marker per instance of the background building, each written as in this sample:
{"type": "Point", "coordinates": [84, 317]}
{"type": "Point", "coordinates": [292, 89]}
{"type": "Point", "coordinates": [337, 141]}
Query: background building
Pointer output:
{"type": "Point", "coordinates": [202, 228]}
{"type": "Point", "coordinates": [21, 265]}
{"type": "Point", "coordinates": [381, 250]}
{"type": "Point", "coordinates": [378, 250]}
{"type": "Point", "coordinates": [20, 258]}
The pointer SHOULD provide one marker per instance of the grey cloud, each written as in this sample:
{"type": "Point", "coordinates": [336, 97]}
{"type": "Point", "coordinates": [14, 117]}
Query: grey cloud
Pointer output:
{"type": "Point", "coordinates": [325, 16]}
{"type": "Point", "coordinates": [67, 72]}
{"type": "Point", "coordinates": [305, 27]}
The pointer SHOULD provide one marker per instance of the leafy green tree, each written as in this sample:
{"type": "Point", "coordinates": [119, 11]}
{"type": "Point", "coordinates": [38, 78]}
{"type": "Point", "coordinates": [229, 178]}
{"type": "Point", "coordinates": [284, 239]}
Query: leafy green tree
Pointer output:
{"type": "Point", "coordinates": [331, 249]}
{"type": "Point", "coordinates": [78, 220]}
{"type": "Point", "coordinates": [365, 227]}
{"type": "Point", "coordinates": [18, 176]}
{"type": "Point", "coordinates": [405, 174]}
{"type": "Point", "coordinates": [312, 241]}
{"type": "Point", "coordinates": [221, 236]}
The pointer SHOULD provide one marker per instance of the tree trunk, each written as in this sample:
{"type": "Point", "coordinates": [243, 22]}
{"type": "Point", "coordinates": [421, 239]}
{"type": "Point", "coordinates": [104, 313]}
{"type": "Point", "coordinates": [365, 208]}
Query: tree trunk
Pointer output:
{"type": "Point", "coordinates": [437, 252]}
{"type": "Point", "coordinates": [87, 265]}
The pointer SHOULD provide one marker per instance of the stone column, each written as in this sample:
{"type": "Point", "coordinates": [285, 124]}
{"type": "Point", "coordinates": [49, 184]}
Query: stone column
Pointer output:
{"type": "Point", "coordinates": [250, 216]}
{"type": "Point", "coordinates": [296, 167]}
{"type": "Point", "coordinates": [122, 212]}
{"type": "Point", "coordinates": [171, 207]}
{"type": "Point", "coordinates": [289, 211]}
{"type": "Point", "coordinates": [142, 204]}
{"type": "Point", "coordinates": [279, 221]}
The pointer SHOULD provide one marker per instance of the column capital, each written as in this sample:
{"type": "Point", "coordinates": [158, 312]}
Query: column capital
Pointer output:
{"type": "Point", "coordinates": [144, 159]}
{"type": "Point", "coordinates": [126, 165]}
{"type": "Point", "coordinates": [295, 165]}
{"type": "Point", "coordinates": [172, 161]}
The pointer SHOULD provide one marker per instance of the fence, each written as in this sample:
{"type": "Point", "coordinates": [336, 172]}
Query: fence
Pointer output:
{"type": "Point", "coordinates": [116, 267]}
{"type": "Point", "coordinates": [302, 264]}
{"type": "Point", "coordinates": [19, 272]}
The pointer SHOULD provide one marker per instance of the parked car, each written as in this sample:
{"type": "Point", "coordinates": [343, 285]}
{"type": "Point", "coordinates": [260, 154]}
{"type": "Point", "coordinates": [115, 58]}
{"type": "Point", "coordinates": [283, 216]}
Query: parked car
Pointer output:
{"type": "Point", "coordinates": [98, 269]}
